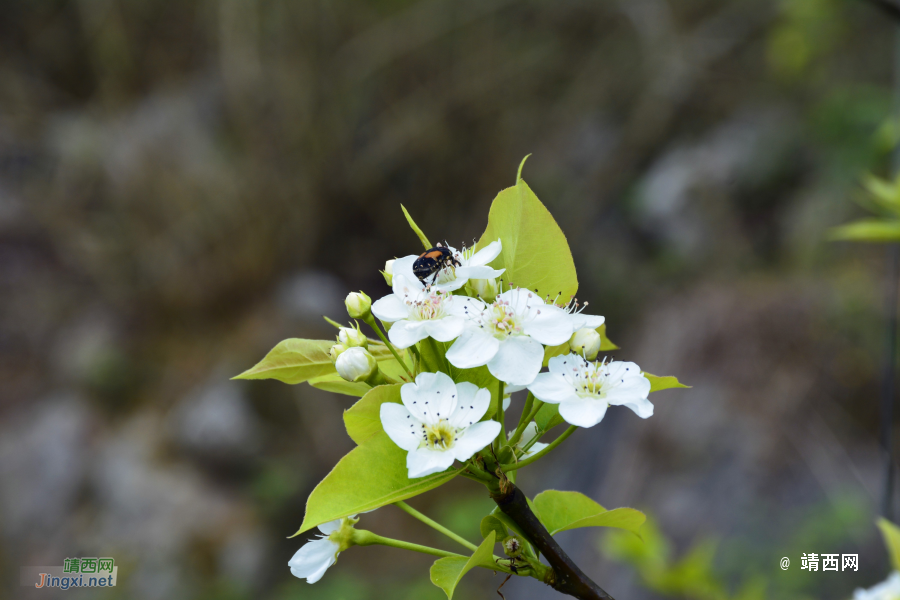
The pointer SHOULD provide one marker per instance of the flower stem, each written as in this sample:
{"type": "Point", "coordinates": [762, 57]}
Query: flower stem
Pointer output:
{"type": "Point", "coordinates": [540, 454]}
{"type": "Point", "coordinates": [532, 406]}
{"type": "Point", "coordinates": [370, 321]}
{"type": "Point", "coordinates": [361, 537]}
{"type": "Point", "coordinates": [500, 415]}
{"type": "Point", "coordinates": [435, 525]}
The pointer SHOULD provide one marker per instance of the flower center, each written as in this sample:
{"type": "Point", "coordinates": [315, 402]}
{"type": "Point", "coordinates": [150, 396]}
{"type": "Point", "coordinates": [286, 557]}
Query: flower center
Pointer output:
{"type": "Point", "coordinates": [439, 436]}
{"type": "Point", "coordinates": [428, 308]}
{"type": "Point", "coordinates": [502, 319]}
{"type": "Point", "coordinates": [592, 381]}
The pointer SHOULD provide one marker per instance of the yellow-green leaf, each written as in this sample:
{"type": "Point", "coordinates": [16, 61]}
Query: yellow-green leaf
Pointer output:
{"type": "Point", "coordinates": [370, 476]}
{"type": "Point", "coordinates": [535, 252]}
{"type": "Point", "coordinates": [548, 417]}
{"type": "Point", "coordinates": [337, 384]}
{"type": "Point", "coordinates": [293, 361]}
{"type": "Point", "coordinates": [363, 419]}
{"type": "Point", "coordinates": [663, 383]}
{"type": "Point", "coordinates": [560, 511]}
{"type": "Point", "coordinates": [868, 230]}
{"type": "Point", "coordinates": [447, 572]}
{"type": "Point", "coordinates": [891, 535]}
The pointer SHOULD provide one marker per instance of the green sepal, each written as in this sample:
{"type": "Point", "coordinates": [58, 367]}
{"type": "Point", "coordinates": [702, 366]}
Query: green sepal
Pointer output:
{"type": "Point", "coordinates": [560, 511]}
{"type": "Point", "coordinates": [447, 572]}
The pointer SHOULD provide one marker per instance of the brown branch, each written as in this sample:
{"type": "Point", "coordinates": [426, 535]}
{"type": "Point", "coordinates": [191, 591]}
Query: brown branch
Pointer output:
{"type": "Point", "coordinates": [566, 577]}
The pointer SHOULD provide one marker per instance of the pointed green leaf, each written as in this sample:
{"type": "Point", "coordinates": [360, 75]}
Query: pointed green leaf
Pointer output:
{"type": "Point", "coordinates": [891, 535]}
{"type": "Point", "coordinates": [658, 383]}
{"type": "Point", "coordinates": [293, 361]}
{"type": "Point", "coordinates": [337, 384]}
{"type": "Point", "coordinates": [363, 419]}
{"type": "Point", "coordinates": [560, 511]}
{"type": "Point", "coordinates": [535, 252]}
{"type": "Point", "coordinates": [868, 230]}
{"type": "Point", "coordinates": [447, 572]}
{"type": "Point", "coordinates": [416, 229]}
{"type": "Point", "coordinates": [372, 475]}
{"type": "Point", "coordinates": [491, 523]}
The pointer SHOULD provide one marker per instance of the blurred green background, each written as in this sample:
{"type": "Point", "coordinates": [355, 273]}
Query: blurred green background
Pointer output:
{"type": "Point", "coordinates": [184, 184]}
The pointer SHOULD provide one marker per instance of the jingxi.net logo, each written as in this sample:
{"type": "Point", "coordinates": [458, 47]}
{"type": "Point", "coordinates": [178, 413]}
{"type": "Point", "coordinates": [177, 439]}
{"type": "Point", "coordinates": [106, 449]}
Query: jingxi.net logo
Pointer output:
{"type": "Point", "coordinates": [75, 572]}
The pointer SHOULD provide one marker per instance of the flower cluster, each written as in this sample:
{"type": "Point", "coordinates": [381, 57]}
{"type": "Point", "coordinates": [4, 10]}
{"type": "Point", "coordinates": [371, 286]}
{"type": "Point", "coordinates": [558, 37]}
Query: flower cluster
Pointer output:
{"type": "Point", "coordinates": [455, 339]}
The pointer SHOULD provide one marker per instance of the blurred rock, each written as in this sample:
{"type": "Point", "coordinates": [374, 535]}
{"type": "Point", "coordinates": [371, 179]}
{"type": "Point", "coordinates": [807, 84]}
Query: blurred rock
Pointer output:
{"type": "Point", "coordinates": [44, 457]}
{"type": "Point", "coordinates": [310, 294]}
{"type": "Point", "coordinates": [217, 422]}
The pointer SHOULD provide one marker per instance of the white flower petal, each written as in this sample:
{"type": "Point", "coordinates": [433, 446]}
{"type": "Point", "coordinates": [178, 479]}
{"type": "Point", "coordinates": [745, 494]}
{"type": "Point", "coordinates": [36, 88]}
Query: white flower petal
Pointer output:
{"type": "Point", "coordinates": [552, 388]}
{"type": "Point", "coordinates": [477, 272]}
{"type": "Point", "coordinates": [550, 325]}
{"type": "Point", "coordinates": [404, 280]}
{"type": "Point", "coordinates": [465, 307]}
{"type": "Point", "coordinates": [584, 412]}
{"type": "Point", "coordinates": [506, 402]}
{"type": "Point", "coordinates": [450, 286]}
{"type": "Point", "coordinates": [473, 348]}
{"type": "Point", "coordinates": [565, 363]}
{"type": "Point", "coordinates": [424, 461]}
{"type": "Point", "coordinates": [404, 334]}
{"type": "Point", "coordinates": [446, 329]}
{"type": "Point", "coordinates": [518, 360]}
{"type": "Point", "coordinates": [521, 300]}
{"type": "Point", "coordinates": [486, 254]}
{"type": "Point", "coordinates": [330, 526]}
{"type": "Point", "coordinates": [535, 448]}
{"type": "Point", "coordinates": [472, 403]}
{"type": "Point", "coordinates": [474, 439]}
{"type": "Point", "coordinates": [401, 426]}
{"type": "Point", "coordinates": [313, 559]}
{"type": "Point", "coordinates": [433, 396]}
{"type": "Point", "coordinates": [581, 320]}
{"type": "Point", "coordinates": [642, 407]}
{"type": "Point", "coordinates": [390, 308]}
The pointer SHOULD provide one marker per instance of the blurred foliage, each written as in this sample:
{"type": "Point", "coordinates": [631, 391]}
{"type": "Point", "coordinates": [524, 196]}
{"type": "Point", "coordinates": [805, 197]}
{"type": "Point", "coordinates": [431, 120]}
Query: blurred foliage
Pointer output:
{"type": "Point", "coordinates": [708, 568]}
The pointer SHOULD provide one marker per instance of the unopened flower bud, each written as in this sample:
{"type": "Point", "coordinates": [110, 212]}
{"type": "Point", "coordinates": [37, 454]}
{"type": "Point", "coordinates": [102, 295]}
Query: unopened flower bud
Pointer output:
{"type": "Point", "coordinates": [486, 289]}
{"type": "Point", "coordinates": [358, 305]}
{"type": "Point", "coordinates": [356, 364]}
{"type": "Point", "coordinates": [388, 272]}
{"type": "Point", "coordinates": [351, 338]}
{"type": "Point", "coordinates": [336, 351]}
{"type": "Point", "coordinates": [512, 546]}
{"type": "Point", "coordinates": [586, 342]}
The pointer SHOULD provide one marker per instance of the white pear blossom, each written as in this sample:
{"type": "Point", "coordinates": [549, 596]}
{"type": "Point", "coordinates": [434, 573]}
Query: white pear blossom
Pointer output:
{"type": "Point", "coordinates": [585, 389]}
{"type": "Point", "coordinates": [473, 265]}
{"type": "Point", "coordinates": [438, 422]}
{"type": "Point", "coordinates": [418, 313]}
{"type": "Point", "coordinates": [889, 589]}
{"type": "Point", "coordinates": [507, 335]}
{"type": "Point", "coordinates": [313, 558]}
